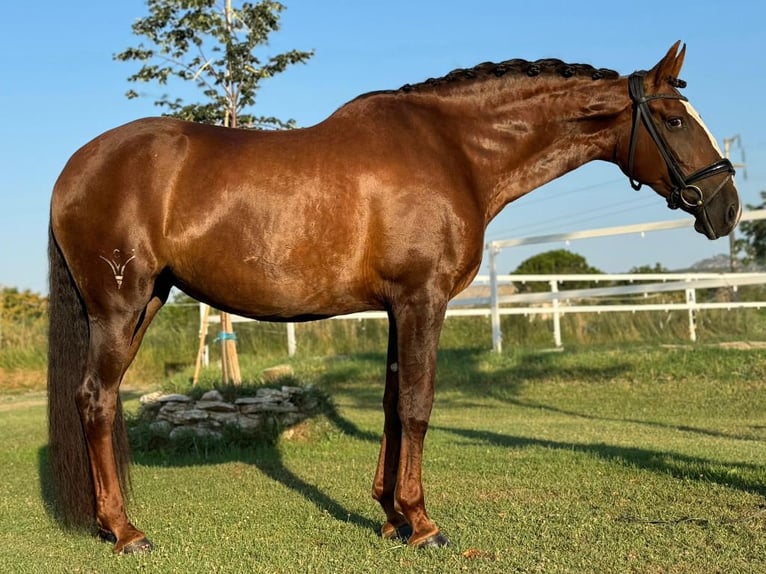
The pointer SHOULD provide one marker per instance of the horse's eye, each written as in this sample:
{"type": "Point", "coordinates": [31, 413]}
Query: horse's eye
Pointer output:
{"type": "Point", "coordinates": [675, 123]}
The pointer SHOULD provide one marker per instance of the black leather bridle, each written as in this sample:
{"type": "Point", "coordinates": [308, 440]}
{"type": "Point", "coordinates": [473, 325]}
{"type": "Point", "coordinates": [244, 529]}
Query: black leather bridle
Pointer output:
{"type": "Point", "coordinates": [685, 194]}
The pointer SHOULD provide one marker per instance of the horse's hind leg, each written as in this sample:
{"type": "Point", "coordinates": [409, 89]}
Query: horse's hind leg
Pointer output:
{"type": "Point", "coordinates": [117, 325]}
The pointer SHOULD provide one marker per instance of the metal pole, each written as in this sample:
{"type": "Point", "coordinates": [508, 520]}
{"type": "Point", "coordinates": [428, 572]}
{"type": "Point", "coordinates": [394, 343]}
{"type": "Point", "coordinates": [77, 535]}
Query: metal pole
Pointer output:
{"type": "Point", "coordinates": [742, 165]}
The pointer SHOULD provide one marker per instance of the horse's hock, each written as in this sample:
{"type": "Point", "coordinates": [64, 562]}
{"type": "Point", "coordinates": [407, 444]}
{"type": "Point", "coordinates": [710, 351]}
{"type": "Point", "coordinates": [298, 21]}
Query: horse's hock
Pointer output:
{"type": "Point", "coordinates": [177, 415]}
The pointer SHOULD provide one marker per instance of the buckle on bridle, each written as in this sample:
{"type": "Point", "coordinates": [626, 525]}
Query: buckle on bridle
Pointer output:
{"type": "Point", "coordinates": [690, 197]}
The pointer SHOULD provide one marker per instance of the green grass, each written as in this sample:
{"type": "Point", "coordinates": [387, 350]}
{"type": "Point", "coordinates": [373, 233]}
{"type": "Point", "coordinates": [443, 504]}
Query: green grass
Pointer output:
{"type": "Point", "coordinates": [172, 339]}
{"type": "Point", "coordinates": [635, 459]}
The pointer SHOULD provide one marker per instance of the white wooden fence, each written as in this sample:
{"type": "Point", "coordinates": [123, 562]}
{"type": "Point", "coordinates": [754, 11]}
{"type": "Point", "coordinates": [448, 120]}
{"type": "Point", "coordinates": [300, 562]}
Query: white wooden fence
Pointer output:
{"type": "Point", "coordinates": [678, 281]}
{"type": "Point", "coordinates": [558, 303]}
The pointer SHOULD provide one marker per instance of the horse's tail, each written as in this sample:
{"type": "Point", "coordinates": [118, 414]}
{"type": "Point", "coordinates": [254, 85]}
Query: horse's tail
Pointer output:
{"type": "Point", "coordinates": [68, 332]}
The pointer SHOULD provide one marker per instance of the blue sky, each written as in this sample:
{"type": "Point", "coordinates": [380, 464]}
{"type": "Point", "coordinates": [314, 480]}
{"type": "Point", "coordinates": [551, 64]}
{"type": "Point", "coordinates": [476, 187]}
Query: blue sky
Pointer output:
{"type": "Point", "coordinates": [61, 88]}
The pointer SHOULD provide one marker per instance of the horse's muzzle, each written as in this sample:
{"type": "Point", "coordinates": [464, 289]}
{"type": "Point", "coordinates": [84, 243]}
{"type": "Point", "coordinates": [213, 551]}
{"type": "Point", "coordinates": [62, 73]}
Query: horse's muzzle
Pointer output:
{"type": "Point", "coordinates": [719, 224]}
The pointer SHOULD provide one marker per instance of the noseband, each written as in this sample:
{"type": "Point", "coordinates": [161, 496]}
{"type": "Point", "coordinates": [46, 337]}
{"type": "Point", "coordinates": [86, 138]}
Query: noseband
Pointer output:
{"type": "Point", "coordinates": [685, 194]}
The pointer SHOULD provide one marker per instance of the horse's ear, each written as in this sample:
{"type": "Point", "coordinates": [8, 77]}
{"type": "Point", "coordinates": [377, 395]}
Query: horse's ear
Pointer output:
{"type": "Point", "coordinates": [670, 65]}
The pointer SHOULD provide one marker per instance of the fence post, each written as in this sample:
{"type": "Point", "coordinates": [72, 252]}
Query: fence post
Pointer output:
{"type": "Point", "coordinates": [291, 339]}
{"type": "Point", "coordinates": [691, 300]}
{"type": "Point", "coordinates": [202, 354]}
{"type": "Point", "coordinates": [497, 333]}
{"type": "Point", "coordinates": [556, 315]}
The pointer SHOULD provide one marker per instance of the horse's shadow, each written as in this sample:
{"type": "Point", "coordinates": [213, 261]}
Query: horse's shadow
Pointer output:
{"type": "Point", "coordinates": [647, 423]}
{"type": "Point", "coordinates": [729, 474]}
{"type": "Point", "coordinates": [264, 455]}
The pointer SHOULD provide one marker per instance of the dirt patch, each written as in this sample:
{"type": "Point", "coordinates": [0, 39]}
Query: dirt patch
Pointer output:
{"type": "Point", "coordinates": [12, 402]}
{"type": "Point", "coordinates": [736, 345]}
{"type": "Point", "coordinates": [744, 345]}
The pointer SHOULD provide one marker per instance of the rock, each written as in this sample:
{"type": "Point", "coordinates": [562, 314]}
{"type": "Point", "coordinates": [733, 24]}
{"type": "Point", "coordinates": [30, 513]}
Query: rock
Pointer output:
{"type": "Point", "coordinates": [174, 398]}
{"type": "Point", "coordinates": [213, 395]}
{"type": "Point", "coordinates": [249, 422]}
{"type": "Point", "coordinates": [260, 400]}
{"type": "Point", "coordinates": [277, 372]}
{"type": "Point", "coordinates": [229, 418]}
{"type": "Point", "coordinates": [175, 415]}
{"type": "Point", "coordinates": [274, 395]}
{"type": "Point", "coordinates": [161, 427]}
{"type": "Point", "coordinates": [218, 406]}
{"type": "Point", "coordinates": [252, 408]}
{"type": "Point", "coordinates": [184, 417]}
{"type": "Point", "coordinates": [175, 407]}
{"type": "Point", "coordinates": [247, 401]}
{"type": "Point", "coordinates": [202, 432]}
{"type": "Point", "coordinates": [151, 398]}
{"type": "Point", "coordinates": [283, 408]}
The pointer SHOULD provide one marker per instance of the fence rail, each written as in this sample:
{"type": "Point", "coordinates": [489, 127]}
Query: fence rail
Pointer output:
{"type": "Point", "coordinates": [495, 247]}
{"type": "Point", "coordinates": [558, 303]}
{"type": "Point", "coordinates": [645, 284]}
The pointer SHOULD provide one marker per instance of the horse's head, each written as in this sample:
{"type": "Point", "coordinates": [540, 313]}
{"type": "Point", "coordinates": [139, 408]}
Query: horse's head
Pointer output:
{"type": "Point", "coordinates": [672, 151]}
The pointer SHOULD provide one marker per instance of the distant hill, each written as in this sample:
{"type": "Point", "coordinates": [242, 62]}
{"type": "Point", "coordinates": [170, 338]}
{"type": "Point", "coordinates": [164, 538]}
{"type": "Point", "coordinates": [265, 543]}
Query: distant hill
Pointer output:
{"type": "Point", "coordinates": [720, 263]}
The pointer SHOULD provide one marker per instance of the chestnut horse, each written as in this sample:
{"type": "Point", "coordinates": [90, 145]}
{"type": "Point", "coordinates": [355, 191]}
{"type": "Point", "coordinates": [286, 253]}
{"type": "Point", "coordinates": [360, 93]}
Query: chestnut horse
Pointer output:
{"type": "Point", "coordinates": [382, 206]}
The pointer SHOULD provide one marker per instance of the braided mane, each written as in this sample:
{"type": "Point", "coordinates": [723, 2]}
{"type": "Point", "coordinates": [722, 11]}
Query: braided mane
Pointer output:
{"type": "Point", "coordinates": [485, 70]}
{"type": "Point", "coordinates": [550, 66]}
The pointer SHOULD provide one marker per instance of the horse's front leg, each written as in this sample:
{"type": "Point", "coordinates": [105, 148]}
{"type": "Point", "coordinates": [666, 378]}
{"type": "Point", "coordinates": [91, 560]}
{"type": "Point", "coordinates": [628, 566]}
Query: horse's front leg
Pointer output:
{"type": "Point", "coordinates": [418, 326]}
{"type": "Point", "coordinates": [384, 485]}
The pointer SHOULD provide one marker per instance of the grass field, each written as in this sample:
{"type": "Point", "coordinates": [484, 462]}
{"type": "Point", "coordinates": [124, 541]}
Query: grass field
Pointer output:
{"type": "Point", "coordinates": [635, 459]}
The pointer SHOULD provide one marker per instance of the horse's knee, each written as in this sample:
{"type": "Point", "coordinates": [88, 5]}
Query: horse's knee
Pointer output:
{"type": "Point", "coordinates": [97, 406]}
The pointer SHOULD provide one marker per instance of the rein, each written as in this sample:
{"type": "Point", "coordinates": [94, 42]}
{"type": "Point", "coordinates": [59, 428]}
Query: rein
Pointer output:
{"type": "Point", "coordinates": [684, 194]}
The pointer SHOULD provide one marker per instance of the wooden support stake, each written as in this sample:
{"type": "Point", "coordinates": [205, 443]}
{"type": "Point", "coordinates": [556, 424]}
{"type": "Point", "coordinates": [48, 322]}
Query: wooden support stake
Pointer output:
{"type": "Point", "coordinates": [236, 376]}
{"type": "Point", "coordinates": [225, 375]}
{"type": "Point", "coordinates": [229, 359]}
{"type": "Point", "coordinates": [204, 315]}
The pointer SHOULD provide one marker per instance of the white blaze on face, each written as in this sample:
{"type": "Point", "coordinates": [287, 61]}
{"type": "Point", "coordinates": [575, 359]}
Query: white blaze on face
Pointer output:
{"type": "Point", "coordinates": [693, 113]}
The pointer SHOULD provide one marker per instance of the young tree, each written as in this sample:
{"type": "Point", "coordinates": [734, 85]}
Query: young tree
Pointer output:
{"type": "Point", "coordinates": [656, 268]}
{"type": "Point", "coordinates": [556, 261]}
{"type": "Point", "coordinates": [213, 45]}
{"type": "Point", "coordinates": [753, 244]}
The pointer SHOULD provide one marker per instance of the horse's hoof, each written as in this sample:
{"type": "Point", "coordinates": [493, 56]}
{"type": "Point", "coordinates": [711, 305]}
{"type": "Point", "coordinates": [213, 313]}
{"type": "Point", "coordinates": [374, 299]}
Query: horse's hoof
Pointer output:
{"type": "Point", "coordinates": [106, 536]}
{"type": "Point", "coordinates": [437, 540]}
{"type": "Point", "coordinates": [400, 533]}
{"type": "Point", "coordinates": [136, 547]}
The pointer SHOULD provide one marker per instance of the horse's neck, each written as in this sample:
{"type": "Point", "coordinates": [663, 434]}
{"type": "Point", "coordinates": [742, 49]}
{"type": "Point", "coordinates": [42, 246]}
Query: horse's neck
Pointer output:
{"type": "Point", "coordinates": [530, 135]}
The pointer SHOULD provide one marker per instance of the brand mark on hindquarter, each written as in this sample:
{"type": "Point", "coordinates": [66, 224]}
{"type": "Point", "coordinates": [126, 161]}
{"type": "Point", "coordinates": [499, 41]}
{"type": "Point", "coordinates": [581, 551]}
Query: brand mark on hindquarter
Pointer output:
{"type": "Point", "coordinates": [117, 265]}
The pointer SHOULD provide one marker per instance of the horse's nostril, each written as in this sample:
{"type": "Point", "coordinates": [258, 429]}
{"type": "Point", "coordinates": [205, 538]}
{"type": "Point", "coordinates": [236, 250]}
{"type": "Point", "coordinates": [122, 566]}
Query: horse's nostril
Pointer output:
{"type": "Point", "coordinates": [731, 214]}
